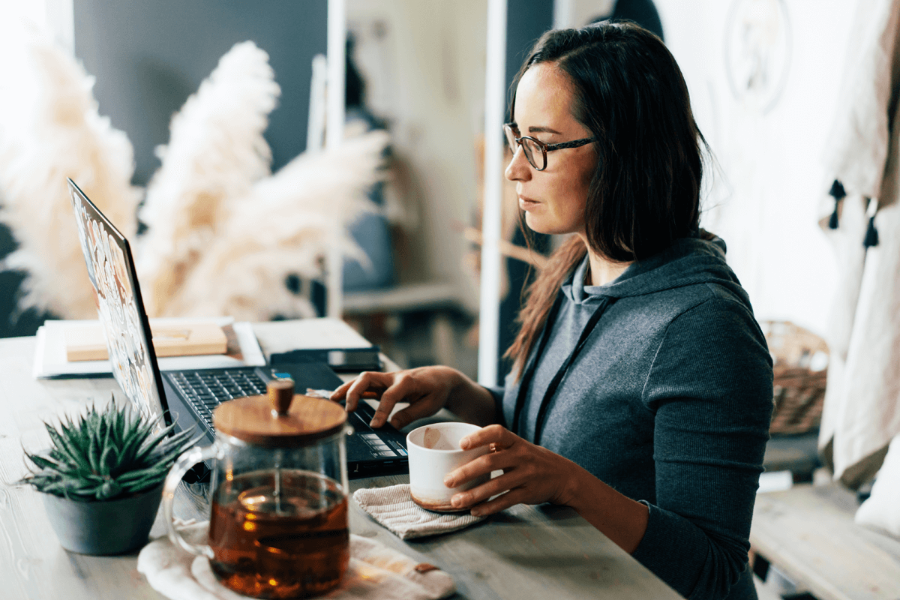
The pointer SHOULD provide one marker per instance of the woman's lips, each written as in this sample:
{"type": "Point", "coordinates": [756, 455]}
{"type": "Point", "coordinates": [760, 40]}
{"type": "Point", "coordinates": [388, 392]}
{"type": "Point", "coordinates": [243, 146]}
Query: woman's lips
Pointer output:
{"type": "Point", "coordinates": [527, 203]}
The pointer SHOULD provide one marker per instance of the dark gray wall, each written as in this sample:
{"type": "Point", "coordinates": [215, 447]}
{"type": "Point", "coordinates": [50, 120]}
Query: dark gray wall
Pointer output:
{"type": "Point", "coordinates": [526, 20]}
{"type": "Point", "coordinates": [149, 56]}
{"type": "Point", "coordinates": [13, 323]}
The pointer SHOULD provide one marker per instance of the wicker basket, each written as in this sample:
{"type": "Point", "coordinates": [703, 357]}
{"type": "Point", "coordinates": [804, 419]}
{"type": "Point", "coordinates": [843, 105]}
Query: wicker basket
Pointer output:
{"type": "Point", "coordinates": [801, 359]}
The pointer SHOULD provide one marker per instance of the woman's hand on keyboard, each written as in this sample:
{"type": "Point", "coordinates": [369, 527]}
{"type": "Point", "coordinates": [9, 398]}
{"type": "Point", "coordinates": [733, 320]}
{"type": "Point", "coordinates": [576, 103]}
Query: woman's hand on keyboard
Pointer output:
{"type": "Point", "coordinates": [426, 389]}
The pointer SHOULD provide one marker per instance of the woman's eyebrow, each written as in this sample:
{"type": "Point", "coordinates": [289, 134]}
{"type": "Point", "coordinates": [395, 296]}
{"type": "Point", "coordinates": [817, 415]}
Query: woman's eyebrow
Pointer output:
{"type": "Point", "coordinates": [539, 129]}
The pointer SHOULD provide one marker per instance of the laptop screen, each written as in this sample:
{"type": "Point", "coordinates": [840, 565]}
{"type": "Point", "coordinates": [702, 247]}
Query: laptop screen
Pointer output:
{"type": "Point", "coordinates": [111, 269]}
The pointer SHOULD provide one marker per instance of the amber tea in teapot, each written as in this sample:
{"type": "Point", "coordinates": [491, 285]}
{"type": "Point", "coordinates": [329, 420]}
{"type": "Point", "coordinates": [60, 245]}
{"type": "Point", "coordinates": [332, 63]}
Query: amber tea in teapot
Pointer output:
{"type": "Point", "coordinates": [270, 546]}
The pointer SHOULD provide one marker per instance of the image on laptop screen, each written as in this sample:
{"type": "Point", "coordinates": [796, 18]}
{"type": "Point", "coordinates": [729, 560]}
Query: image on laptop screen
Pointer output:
{"type": "Point", "coordinates": [111, 269]}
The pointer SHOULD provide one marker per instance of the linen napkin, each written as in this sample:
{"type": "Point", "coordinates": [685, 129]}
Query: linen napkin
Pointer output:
{"type": "Point", "coordinates": [376, 572]}
{"type": "Point", "coordinates": [394, 508]}
{"type": "Point", "coordinates": [881, 510]}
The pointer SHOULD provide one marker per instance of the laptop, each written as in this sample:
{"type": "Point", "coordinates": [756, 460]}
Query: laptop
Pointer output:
{"type": "Point", "coordinates": [187, 398]}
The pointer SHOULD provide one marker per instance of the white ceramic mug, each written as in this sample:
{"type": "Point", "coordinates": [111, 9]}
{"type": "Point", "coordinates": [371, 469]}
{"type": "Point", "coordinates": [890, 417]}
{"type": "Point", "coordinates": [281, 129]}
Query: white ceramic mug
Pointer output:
{"type": "Point", "coordinates": [433, 453]}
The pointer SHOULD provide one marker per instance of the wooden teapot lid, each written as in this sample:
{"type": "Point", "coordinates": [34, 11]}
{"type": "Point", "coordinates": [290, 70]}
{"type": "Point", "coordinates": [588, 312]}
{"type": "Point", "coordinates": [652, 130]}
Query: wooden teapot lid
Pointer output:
{"type": "Point", "coordinates": [280, 418]}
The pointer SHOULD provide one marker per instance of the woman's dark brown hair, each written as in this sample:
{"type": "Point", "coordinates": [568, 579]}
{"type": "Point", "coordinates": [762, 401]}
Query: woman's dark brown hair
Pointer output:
{"type": "Point", "coordinates": [645, 191]}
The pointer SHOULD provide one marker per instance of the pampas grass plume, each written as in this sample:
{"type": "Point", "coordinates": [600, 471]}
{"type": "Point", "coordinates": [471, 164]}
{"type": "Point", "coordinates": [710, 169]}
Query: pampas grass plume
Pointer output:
{"type": "Point", "coordinates": [216, 151]}
{"type": "Point", "coordinates": [285, 226]}
{"type": "Point", "coordinates": [50, 129]}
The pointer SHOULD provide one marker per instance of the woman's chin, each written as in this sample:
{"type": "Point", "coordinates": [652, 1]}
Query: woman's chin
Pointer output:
{"type": "Point", "coordinates": [539, 225]}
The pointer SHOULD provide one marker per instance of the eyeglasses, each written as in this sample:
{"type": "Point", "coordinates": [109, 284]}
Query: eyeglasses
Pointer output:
{"type": "Point", "coordinates": [536, 150]}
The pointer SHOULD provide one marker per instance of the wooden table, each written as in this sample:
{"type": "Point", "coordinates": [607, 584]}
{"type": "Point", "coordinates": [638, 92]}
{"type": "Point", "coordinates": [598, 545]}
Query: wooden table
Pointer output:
{"type": "Point", "coordinates": [808, 532]}
{"type": "Point", "coordinates": [525, 552]}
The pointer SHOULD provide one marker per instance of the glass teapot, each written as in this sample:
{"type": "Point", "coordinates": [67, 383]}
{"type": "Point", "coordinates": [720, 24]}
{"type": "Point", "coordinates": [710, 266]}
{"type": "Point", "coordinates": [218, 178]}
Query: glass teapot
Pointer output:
{"type": "Point", "coordinates": [278, 526]}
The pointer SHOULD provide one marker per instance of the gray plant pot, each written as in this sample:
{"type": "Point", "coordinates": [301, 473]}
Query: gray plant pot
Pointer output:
{"type": "Point", "coordinates": [103, 527]}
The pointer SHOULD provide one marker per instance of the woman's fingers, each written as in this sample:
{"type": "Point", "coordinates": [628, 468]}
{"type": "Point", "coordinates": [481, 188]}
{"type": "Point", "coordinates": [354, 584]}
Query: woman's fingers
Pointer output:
{"type": "Point", "coordinates": [497, 436]}
{"type": "Point", "coordinates": [417, 410]}
{"type": "Point", "coordinates": [482, 465]}
{"type": "Point", "coordinates": [498, 485]}
{"type": "Point", "coordinates": [504, 454]}
{"type": "Point", "coordinates": [404, 388]}
{"type": "Point", "coordinates": [500, 437]}
{"type": "Point", "coordinates": [501, 502]}
{"type": "Point", "coordinates": [396, 392]}
{"type": "Point", "coordinates": [367, 382]}
{"type": "Point", "coordinates": [338, 394]}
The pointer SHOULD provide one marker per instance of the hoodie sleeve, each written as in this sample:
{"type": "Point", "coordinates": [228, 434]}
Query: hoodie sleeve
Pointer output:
{"type": "Point", "coordinates": [710, 387]}
{"type": "Point", "coordinates": [497, 394]}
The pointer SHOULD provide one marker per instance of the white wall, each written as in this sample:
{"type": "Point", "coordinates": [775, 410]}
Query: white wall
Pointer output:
{"type": "Point", "coordinates": [772, 188]}
{"type": "Point", "coordinates": [54, 15]}
{"type": "Point", "coordinates": [424, 68]}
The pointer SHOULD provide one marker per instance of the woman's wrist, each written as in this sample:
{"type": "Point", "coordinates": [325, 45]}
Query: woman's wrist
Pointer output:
{"type": "Point", "coordinates": [470, 401]}
{"type": "Point", "coordinates": [620, 518]}
{"type": "Point", "coordinates": [573, 492]}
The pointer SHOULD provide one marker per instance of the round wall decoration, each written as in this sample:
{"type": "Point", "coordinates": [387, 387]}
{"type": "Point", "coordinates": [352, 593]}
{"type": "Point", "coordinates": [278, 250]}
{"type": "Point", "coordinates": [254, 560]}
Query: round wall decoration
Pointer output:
{"type": "Point", "coordinates": [757, 51]}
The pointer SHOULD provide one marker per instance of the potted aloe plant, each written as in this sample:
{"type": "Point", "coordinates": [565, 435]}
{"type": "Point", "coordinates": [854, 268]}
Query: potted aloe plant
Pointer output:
{"type": "Point", "coordinates": [102, 477]}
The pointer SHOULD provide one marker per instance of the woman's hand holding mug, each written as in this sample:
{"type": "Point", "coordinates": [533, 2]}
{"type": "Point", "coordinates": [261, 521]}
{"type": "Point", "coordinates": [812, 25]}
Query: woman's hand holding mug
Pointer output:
{"type": "Point", "coordinates": [531, 474]}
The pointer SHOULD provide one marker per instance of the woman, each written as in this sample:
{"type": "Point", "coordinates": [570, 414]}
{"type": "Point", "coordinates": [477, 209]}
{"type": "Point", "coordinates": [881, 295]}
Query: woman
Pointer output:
{"type": "Point", "coordinates": [641, 391]}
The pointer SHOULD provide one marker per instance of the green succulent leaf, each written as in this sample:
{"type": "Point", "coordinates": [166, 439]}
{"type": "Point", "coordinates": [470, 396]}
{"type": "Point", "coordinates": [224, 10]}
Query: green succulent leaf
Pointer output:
{"type": "Point", "coordinates": [168, 457]}
{"type": "Point", "coordinates": [137, 475]}
{"type": "Point", "coordinates": [94, 453]}
{"type": "Point", "coordinates": [129, 451]}
{"type": "Point", "coordinates": [43, 462]}
{"type": "Point", "coordinates": [118, 428]}
{"type": "Point", "coordinates": [108, 490]}
{"type": "Point", "coordinates": [108, 460]}
{"type": "Point", "coordinates": [148, 447]}
{"type": "Point", "coordinates": [69, 486]}
{"type": "Point", "coordinates": [76, 434]}
{"type": "Point", "coordinates": [143, 484]}
{"type": "Point", "coordinates": [71, 455]}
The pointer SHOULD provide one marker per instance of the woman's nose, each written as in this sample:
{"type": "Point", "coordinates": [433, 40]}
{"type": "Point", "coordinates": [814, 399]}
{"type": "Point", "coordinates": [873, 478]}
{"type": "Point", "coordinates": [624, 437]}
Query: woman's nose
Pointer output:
{"type": "Point", "coordinates": [518, 168]}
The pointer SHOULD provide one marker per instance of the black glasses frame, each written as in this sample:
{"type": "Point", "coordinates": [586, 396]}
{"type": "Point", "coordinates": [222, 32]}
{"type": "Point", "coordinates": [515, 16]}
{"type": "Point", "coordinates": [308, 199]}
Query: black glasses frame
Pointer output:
{"type": "Point", "coordinates": [513, 139]}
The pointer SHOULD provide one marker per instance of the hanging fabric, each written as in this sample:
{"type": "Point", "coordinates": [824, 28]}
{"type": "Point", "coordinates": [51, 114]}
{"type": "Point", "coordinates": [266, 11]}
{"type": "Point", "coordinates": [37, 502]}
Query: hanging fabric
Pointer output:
{"type": "Point", "coordinates": [862, 402]}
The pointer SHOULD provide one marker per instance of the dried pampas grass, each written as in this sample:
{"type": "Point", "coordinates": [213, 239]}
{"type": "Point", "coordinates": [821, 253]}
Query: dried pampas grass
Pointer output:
{"type": "Point", "coordinates": [216, 153]}
{"type": "Point", "coordinates": [50, 129]}
{"type": "Point", "coordinates": [285, 226]}
{"type": "Point", "coordinates": [223, 233]}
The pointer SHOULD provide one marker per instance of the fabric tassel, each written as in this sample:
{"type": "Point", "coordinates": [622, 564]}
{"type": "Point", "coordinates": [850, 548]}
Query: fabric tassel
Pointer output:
{"type": "Point", "coordinates": [871, 238]}
{"type": "Point", "coordinates": [837, 191]}
{"type": "Point", "coordinates": [871, 234]}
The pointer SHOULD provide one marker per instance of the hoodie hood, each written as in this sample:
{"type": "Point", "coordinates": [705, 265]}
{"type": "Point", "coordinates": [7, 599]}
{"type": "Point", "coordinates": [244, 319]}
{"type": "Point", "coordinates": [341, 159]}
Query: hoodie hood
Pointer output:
{"type": "Point", "coordinates": [689, 261]}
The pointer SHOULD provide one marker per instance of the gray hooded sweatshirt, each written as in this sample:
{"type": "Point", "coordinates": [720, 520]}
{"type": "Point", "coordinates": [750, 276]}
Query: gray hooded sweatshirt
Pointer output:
{"type": "Point", "coordinates": [668, 401]}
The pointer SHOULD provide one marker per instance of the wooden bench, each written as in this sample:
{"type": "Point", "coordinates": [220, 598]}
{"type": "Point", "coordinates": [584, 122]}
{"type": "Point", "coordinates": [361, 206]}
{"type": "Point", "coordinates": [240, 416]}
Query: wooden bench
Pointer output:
{"type": "Point", "coordinates": [808, 533]}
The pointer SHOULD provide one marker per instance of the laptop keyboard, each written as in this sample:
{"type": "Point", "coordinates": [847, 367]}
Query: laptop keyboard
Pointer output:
{"type": "Point", "coordinates": [205, 390]}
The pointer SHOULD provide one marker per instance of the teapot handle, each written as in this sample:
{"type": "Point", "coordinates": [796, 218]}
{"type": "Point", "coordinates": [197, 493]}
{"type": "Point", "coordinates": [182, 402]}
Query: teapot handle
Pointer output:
{"type": "Point", "coordinates": [184, 462]}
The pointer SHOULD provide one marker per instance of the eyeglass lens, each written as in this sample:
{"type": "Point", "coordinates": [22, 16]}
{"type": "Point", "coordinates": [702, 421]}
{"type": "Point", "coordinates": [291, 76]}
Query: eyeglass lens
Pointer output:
{"type": "Point", "coordinates": [532, 152]}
